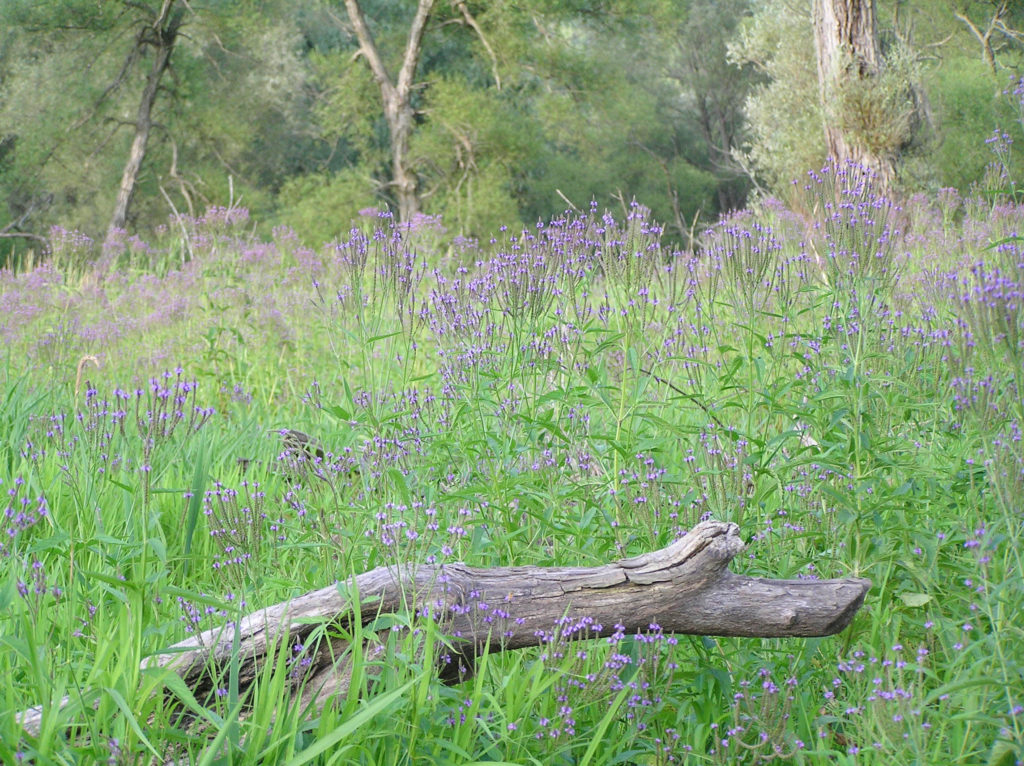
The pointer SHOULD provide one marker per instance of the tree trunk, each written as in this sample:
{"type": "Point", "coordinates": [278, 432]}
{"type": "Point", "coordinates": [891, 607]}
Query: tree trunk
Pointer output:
{"type": "Point", "coordinates": [403, 177]}
{"type": "Point", "coordinates": [161, 35]}
{"type": "Point", "coordinates": [684, 588]}
{"type": "Point", "coordinates": [846, 41]}
{"type": "Point", "coordinates": [396, 97]}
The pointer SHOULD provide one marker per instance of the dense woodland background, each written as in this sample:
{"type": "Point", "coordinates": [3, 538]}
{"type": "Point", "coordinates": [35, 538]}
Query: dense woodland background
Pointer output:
{"type": "Point", "coordinates": [516, 110]}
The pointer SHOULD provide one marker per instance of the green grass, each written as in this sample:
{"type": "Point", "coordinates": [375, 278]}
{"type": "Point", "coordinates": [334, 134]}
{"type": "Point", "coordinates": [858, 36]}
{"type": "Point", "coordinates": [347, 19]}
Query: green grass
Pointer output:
{"type": "Point", "coordinates": [566, 396]}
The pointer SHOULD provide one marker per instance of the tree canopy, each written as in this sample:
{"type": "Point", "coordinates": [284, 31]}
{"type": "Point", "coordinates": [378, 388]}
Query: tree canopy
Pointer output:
{"type": "Point", "coordinates": [117, 115]}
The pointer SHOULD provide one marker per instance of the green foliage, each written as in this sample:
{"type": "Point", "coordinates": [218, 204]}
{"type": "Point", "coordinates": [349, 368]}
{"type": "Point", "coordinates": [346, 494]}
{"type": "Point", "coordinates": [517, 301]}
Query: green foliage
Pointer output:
{"type": "Point", "coordinates": [671, 102]}
{"type": "Point", "coordinates": [235, 106]}
{"type": "Point", "coordinates": [347, 108]}
{"type": "Point", "coordinates": [565, 395]}
{"type": "Point", "coordinates": [469, 149]}
{"type": "Point", "coordinates": [969, 103]}
{"type": "Point", "coordinates": [589, 153]}
{"type": "Point", "coordinates": [877, 114]}
{"type": "Point", "coordinates": [44, 168]}
{"type": "Point", "coordinates": [784, 112]}
{"type": "Point", "coordinates": [323, 207]}
{"type": "Point", "coordinates": [932, 113]}
{"type": "Point", "coordinates": [271, 108]}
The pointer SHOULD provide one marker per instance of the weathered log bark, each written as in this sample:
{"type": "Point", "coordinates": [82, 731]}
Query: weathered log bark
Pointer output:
{"type": "Point", "coordinates": [684, 588]}
{"type": "Point", "coordinates": [161, 35]}
{"type": "Point", "coordinates": [397, 99]}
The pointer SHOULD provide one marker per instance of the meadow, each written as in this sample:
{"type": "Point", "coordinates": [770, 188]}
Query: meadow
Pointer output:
{"type": "Point", "coordinates": [842, 381]}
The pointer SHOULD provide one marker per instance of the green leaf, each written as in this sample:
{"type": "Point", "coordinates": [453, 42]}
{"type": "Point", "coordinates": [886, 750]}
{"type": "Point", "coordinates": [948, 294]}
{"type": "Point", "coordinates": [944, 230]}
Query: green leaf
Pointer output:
{"type": "Point", "coordinates": [597, 738]}
{"type": "Point", "coordinates": [375, 338]}
{"type": "Point", "coordinates": [367, 714]}
{"type": "Point", "coordinates": [159, 548]}
{"type": "Point", "coordinates": [129, 716]}
{"type": "Point", "coordinates": [915, 599]}
{"type": "Point", "coordinates": [338, 412]}
{"type": "Point", "coordinates": [210, 756]}
{"type": "Point", "coordinates": [1003, 754]}
{"type": "Point", "coordinates": [195, 502]}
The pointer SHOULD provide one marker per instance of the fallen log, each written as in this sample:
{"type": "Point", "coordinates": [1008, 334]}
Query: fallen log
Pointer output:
{"type": "Point", "coordinates": [683, 588]}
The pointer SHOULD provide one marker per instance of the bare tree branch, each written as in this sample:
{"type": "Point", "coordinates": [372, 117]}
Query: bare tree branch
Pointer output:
{"type": "Point", "coordinates": [368, 48]}
{"type": "Point", "coordinates": [472, 24]}
{"type": "Point", "coordinates": [25, 235]}
{"type": "Point", "coordinates": [997, 23]}
{"type": "Point", "coordinates": [414, 46]}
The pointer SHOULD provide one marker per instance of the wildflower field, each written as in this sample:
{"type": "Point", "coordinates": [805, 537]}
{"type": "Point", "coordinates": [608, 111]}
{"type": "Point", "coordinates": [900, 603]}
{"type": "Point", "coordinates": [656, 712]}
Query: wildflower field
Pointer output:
{"type": "Point", "coordinates": [843, 382]}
